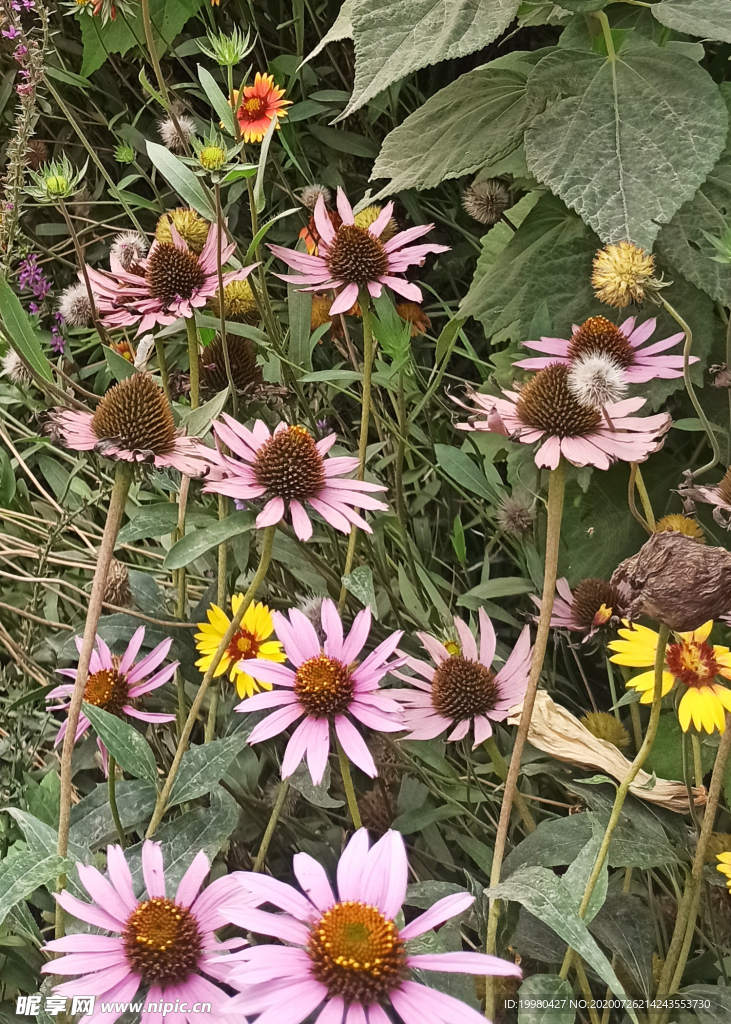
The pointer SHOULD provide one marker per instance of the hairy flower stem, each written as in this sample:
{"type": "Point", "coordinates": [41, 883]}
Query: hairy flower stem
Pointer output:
{"type": "Point", "coordinates": [349, 787]}
{"type": "Point", "coordinates": [222, 310]}
{"type": "Point", "coordinates": [115, 513]}
{"type": "Point", "coordinates": [501, 770]}
{"type": "Point", "coordinates": [271, 825]}
{"type": "Point", "coordinates": [556, 488]}
{"type": "Point", "coordinates": [112, 766]}
{"type": "Point", "coordinates": [679, 948]}
{"type": "Point", "coordinates": [644, 496]}
{"type": "Point", "coordinates": [193, 358]}
{"type": "Point", "coordinates": [712, 439]}
{"type": "Point", "coordinates": [163, 368]}
{"type": "Point", "coordinates": [221, 602]}
{"type": "Point", "coordinates": [623, 790]}
{"type": "Point", "coordinates": [365, 418]}
{"type": "Point", "coordinates": [257, 580]}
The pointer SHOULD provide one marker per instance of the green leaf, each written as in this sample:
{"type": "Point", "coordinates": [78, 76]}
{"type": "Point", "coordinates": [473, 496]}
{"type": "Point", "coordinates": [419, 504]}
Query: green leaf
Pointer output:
{"type": "Point", "coordinates": [666, 755]}
{"type": "Point", "coordinates": [157, 520]}
{"type": "Point", "coordinates": [684, 242]}
{"type": "Point", "coordinates": [578, 874]}
{"type": "Point", "coordinates": [24, 872]}
{"type": "Point", "coordinates": [341, 29]}
{"type": "Point", "coordinates": [709, 19]}
{"type": "Point", "coordinates": [21, 333]}
{"type": "Point", "coordinates": [624, 142]}
{"type": "Point", "coordinates": [167, 16]}
{"type": "Point", "coordinates": [299, 305]}
{"type": "Point", "coordinates": [460, 467]}
{"type": "Point", "coordinates": [414, 821]}
{"type": "Point", "coordinates": [319, 796]}
{"type": "Point", "coordinates": [259, 196]}
{"type": "Point", "coordinates": [255, 243]}
{"type": "Point", "coordinates": [217, 100]}
{"type": "Point", "coordinates": [197, 543]}
{"type": "Point", "coordinates": [625, 925]}
{"type": "Point", "coordinates": [392, 40]}
{"type": "Point", "coordinates": [548, 897]}
{"type": "Point", "coordinates": [119, 367]}
{"type": "Point", "coordinates": [197, 422]}
{"type": "Point", "coordinates": [182, 180]}
{"type": "Point", "coordinates": [344, 142]}
{"type": "Point", "coordinates": [92, 824]}
{"type": "Point", "coordinates": [127, 746]}
{"type": "Point", "coordinates": [540, 989]}
{"type": "Point", "coordinates": [203, 766]}
{"type": "Point", "coordinates": [503, 586]}
{"type": "Point", "coordinates": [475, 121]}
{"type": "Point", "coordinates": [713, 1004]}
{"type": "Point", "coordinates": [360, 584]}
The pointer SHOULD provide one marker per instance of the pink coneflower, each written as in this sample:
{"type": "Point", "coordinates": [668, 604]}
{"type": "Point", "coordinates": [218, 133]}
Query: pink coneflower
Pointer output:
{"type": "Point", "coordinates": [328, 686]}
{"type": "Point", "coordinates": [599, 336]}
{"type": "Point", "coordinates": [546, 410]}
{"type": "Point", "coordinates": [170, 282]}
{"type": "Point", "coordinates": [351, 257]}
{"type": "Point", "coordinates": [166, 944]}
{"type": "Point", "coordinates": [594, 603]}
{"type": "Point", "coordinates": [346, 951]}
{"type": "Point", "coordinates": [719, 495]}
{"type": "Point", "coordinates": [461, 689]}
{"type": "Point", "coordinates": [115, 683]}
{"type": "Point", "coordinates": [132, 423]}
{"type": "Point", "coordinates": [289, 468]}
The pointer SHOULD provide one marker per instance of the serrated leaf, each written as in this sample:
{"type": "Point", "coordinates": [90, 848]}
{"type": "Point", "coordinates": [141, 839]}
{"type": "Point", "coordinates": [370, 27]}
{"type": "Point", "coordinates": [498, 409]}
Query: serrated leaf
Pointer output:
{"type": "Point", "coordinates": [541, 997]}
{"type": "Point", "coordinates": [20, 331]}
{"type": "Point", "coordinates": [709, 19]}
{"type": "Point", "coordinates": [127, 746]}
{"type": "Point", "coordinates": [475, 121]}
{"type": "Point", "coordinates": [392, 40]}
{"type": "Point", "coordinates": [24, 872]}
{"type": "Point", "coordinates": [341, 29]}
{"type": "Point", "coordinates": [197, 543]}
{"type": "Point", "coordinates": [182, 180]}
{"type": "Point", "coordinates": [624, 142]}
{"type": "Point", "coordinates": [167, 17]}
{"type": "Point", "coordinates": [547, 897]}
{"type": "Point", "coordinates": [203, 766]}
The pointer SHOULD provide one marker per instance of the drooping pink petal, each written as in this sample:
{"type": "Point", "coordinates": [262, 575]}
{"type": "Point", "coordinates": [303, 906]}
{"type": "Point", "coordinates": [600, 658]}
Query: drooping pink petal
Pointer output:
{"type": "Point", "coordinates": [443, 910]}
{"type": "Point", "coordinates": [465, 963]}
{"type": "Point", "coordinates": [355, 746]}
{"type": "Point", "coordinates": [275, 723]}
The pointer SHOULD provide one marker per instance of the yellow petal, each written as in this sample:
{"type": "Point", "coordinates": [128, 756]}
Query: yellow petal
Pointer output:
{"type": "Point", "coordinates": [700, 635]}
{"type": "Point", "coordinates": [635, 658]}
{"type": "Point", "coordinates": [685, 710]}
{"type": "Point", "coordinates": [723, 695]}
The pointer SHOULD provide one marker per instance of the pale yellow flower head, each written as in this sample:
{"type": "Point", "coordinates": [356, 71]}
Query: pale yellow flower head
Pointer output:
{"type": "Point", "coordinates": [620, 273]}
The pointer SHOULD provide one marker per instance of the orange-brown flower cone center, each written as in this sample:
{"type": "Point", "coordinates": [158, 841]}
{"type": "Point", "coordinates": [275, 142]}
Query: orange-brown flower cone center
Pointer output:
{"type": "Point", "coordinates": [243, 645]}
{"type": "Point", "coordinates": [355, 256]}
{"type": "Point", "coordinates": [357, 953]}
{"type": "Point", "coordinates": [135, 415]}
{"type": "Point", "coordinates": [323, 687]}
{"type": "Point", "coordinates": [599, 335]}
{"type": "Point", "coordinates": [693, 663]}
{"type": "Point", "coordinates": [162, 941]}
{"type": "Point", "coordinates": [594, 602]}
{"type": "Point", "coordinates": [254, 108]}
{"type": "Point", "coordinates": [463, 688]}
{"type": "Point", "coordinates": [107, 689]}
{"type": "Point", "coordinates": [290, 466]}
{"type": "Point", "coordinates": [546, 403]}
{"type": "Point", "coordinates": [173, 273]}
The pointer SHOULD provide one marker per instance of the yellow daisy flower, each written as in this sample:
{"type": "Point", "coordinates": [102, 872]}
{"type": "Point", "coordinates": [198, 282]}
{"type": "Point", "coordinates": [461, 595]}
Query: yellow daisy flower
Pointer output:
{"type": "Point", "coordinates": [724, 866]}
{"type": "Point", "coordinates": [250, 641]}
{"type": "Point", "coordinates": [690, 661]}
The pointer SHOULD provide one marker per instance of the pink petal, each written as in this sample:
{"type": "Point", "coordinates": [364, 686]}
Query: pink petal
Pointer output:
{"type": "Point", "coordinates": [278, 926]}
{"type": "Point", "coordinates": [386, 874]}
{"type": "Point", "coordinates": [153, 868]}
{"type": "Point", "coordinates": [271, 514]}
{"type": "Point", "coordinates": [442, 911]}
{"type": "Point", "coordinates": [313, 879]}
{"type": "Point", "coordinates": [355, 746]}
{"type": "Point", "coordinates": [376, 228]}
{"type": "Point", "coordinates": [418, 1004]}
{"type": "Point", "coordinates": [465, 963]}
{"type": "Point", "coordinates": [357, 637]}
{"type": "Point", "coordinates": [133, 649]}
{"type": "Point", "coordinates": [347, 298]}
{"type": "Point", "coordinates": [318, 748]}
{"type": "Point", "coordinates": [121, 877]}
{"type": "Point", "coordinates": [192, 880]}
{"type": "Point", "coordinates": [344, 208]}
{"type": "Point", "coordinates": [275, 723]}
{"type": "Point", "coordinates": [488, 640]}
{"type": "Point", "coordinates": [333, 1012]}
{"type": "Point", "coordinates": [271, 890]}
{"type": "Point", "coordinates": [332, 624]}
{"type": "Point", "coordinates": [297, 747]}
{"type": "Point", "coordinates": [469, 647]}
{"type": "Point", "coordinates": [88, 912]}
{"type": "Point", "coordinates": [301, 523]}
{"type": "Point", "coordinates": [103, 893]}
{"type": "Point", "coordinates": [298, 636]}
{"type": "Point", "coordinates": [322, 221]}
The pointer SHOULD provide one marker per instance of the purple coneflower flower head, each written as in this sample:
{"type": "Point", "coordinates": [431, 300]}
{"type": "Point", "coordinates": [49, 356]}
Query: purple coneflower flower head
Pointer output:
{"type": "Point", "coordinates": [132, 423]}
{"type": "Point", "coordinates": [351, 257]}
{"type": "Point", "coordinates": [172, 281]}
{"type": "Point", "coordinates": [166, 943]}
{"type": "Point", "coordinates": [289, 469]}
{"type": "Point", "coordinates": [546, 410]}
{"type": "Point", "coordinates": [460, 689]}
{"type": "Point", "coordinates": [114, 684]}
{"type": "Point", "coordinates": [343, 950]}
{"type": "Point", "coordinates": [592, 604]}
{"type": "Point", "coordinates": [599, 336]}
{"type": "Point", "coordinates": [328, 686]}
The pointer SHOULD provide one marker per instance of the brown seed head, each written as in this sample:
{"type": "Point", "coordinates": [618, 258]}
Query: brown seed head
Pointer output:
{"type": "Point", "coordinates": [546, 403]}
{"type": "Point", "coordinates": [173, 273]}
{"type": "Point", "coordinates": [463, 688]}
{"type": "Point", "coordinates": [242, 359]}
{"type": "Point", "coordinates": [135, 415]}
{"type": "Point", "coordinates": [592, 599]}
{"type": "Point", "coordinates": [599, 335]}
{"type": "Point", "coordinates": [290, 466]}
{"type": "Point", "coordinates": [355, 256]}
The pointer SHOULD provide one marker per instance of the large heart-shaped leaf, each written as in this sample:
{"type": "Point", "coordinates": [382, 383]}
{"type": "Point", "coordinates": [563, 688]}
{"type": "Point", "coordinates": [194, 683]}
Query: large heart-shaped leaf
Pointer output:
{"type": "Point", "coordinates": [709, 19]}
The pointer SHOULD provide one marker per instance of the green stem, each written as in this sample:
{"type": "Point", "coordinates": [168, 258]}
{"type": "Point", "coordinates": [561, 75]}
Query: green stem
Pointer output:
{"type": "Point", "coordinates": [365, 418]}
{"type": "Point", "coordinates": [623, 790]}
{"type": "Point", "coordinates": [644, 497]}
{"type": "Point", "coordinates": [271, 825]}
{"type": "Point", "coordinates": [713, 440]}
{"type": "Point", "coordinates": [697, 760]}
{"type": "Point", "coordinates": [163, 368]}
{"type": "Point", "coordinates": [115, 513]}
{"type": "Point", "coordinates": [258, 579]}
{"type": "Point", "coordinates": [679, 948]}
{"type": "Point", "coordinates": [501, 770]}
{"type": "Point", "coordinates": [221, 602]}
{"type": "Point", "coordinates": [607, 32]}
{"type": "Point", "coordinates": [113, 801]}
{"type": "Point", "coordinates": [193, 357]}
{"type": "Point", "coordinates": [349, 787]}
{"type": "Point", "coordinates": [155, 61]}
{"type": "Point", "coordinates": [556, 488]}
{"type": "Point", "coordinates": [222, 310]}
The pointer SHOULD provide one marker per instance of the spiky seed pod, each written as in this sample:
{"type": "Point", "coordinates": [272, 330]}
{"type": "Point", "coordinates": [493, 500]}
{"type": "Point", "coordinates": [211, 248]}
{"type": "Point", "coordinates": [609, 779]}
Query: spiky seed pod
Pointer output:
{"type": "Point", "coordinates": [173, 272]}
{"type": "Point", "coordinates": [242, 358]}
{"type": "Point", "coordinates": [516, 514]}
{"type": "Point", "coordinates": [546, 403]}
{"type": "Point", "coordinates": [620, 274]}
{"type": "Point", "coordinates": [355, 256]}
{"type": "Point", "coordinates": [116, 589]}
{"type": "Point", "coordinates": [311, 193]}
{"type": "Point", "coordinates": [606, 727]}
{"type": "Point", "coordinates": [486, 201]}
{"type": "Point", "coordinates": [374, 812]}
{"type": "Point", "coordinates": [15, 370]}
{"type": "Point", "coordinates": [173, 139]}
{"type": "Point", "coordinates": [589, 598]}
{"type": "Point", "coordinates": [74, 306]}
{"type": "Point", "coordinates": [191, 227]}
{"type": "Point", "coordinates": [678, 523]}
{"type": "Point", "coordinates": [239, 304]}
{"type": "Point", "coordinates": [36, 153]}
{"type": "Point", "coordinates": [129, 248]}
{"type": "Point", "coordinates": [599, 336]}
{"type": "Point", "coordinates": [136, 416]}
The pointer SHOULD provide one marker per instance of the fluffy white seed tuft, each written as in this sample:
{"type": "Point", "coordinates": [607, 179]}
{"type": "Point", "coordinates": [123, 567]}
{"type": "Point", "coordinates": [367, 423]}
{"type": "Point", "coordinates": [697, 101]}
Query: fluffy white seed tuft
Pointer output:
{"type": "Point", "coordinates": [596, 379]}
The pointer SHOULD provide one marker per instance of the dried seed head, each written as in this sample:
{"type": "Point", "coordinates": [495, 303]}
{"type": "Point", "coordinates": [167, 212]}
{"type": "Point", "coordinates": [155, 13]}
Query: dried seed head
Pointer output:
{"type": "Point", "coordinates": [620, 274]}
{"type": "Point", "coordinates": [463, 688]}
{"type": "Point", "coordinates": [116, 588]}
{"type": "Point", "coordinates": [311, 193]}
{"type": "Point", "coordinates": [356, 257]}
{"type": "Point", "coordinates": [15, 370]}
{"type": "Point", "coordinates": [36, 153]}
{"type": "Point", "coordinates": [135, 416]}
{"type": "Point", "coordinates": [129, 248]}
{"type": "Point", "coordinates": [74, 306]}
{"type": "Point", "coordinates": [516, 513]}
{"type": "Point", "coordinates": [678, 523]}
{"type": "Point", "coordinates": [724, 488]}
{"type": "Point", "coordinates": [242, 358]}
{"type": "Point", "coordinates": [238, 304]}
{"type": "Point", "coordinates": [599, 336]}
{"type": "Point", "coordinates": [546, 403]}
{"type": "Point", "coordinates": [374, 811]}
{"type": "Point", "coordinates": [486, 201]}
{"type": "Point", "coordinates": [413, 314]}
{"type": "Point", "coordinates": [290, 466]}
{"type": "Point", "coordinates": [596, 380]}
{"type": "Point", "coordinates": [173, 139]}
{"type": "Point", "coordinates": [606, 727]}
{"type": "Point", "coordinates": [191, 227]}
{"type": "Point", "coordinates": [173, 273]}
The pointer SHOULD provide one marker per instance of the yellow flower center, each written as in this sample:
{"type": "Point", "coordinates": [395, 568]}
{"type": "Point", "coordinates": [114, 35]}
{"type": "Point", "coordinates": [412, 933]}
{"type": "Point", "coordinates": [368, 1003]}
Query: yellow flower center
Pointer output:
{"type": "Point", "coordinates": [162, 941]}
{"type": "Point", "coordinates": [692, 662]}
{"type": "Point", "coordinates": [255, 107]}
{"type": "Point", "coordinates": [357, 953]}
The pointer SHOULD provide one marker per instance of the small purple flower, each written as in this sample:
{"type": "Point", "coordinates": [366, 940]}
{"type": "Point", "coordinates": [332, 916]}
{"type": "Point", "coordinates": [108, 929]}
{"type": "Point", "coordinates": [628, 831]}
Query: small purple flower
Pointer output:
{"type": "Point", "coordinates": [29, 5]}
{"type": "Point", "coordinates": [11, 32]}
{"type": "Point", "coordinates": [24, 90]}
{"type": "Point", "coordinates": [58, 343]}
{"type": "Point", "coordinates": [20, 52]}
{"type": "Point", "coordinates": [33, 307]}
{"type": "Point", "coordinates": [241, 505]}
